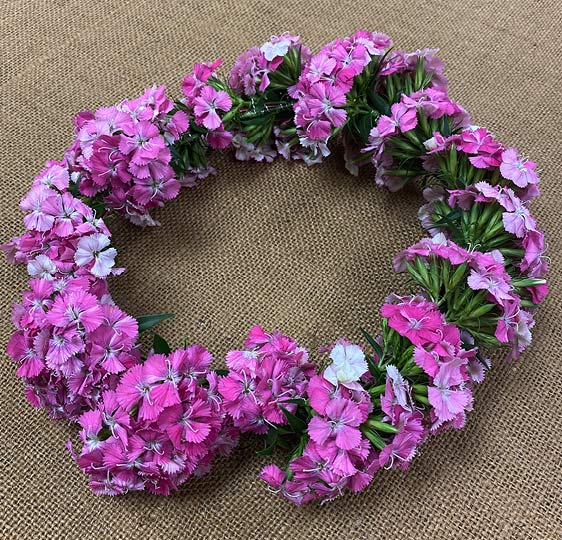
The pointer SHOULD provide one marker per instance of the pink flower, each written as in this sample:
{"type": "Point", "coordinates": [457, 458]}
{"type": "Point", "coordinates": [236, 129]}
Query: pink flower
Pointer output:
{"type": "Point", "coordinates": [64, 209]}
{"type": "Point", "coordinates": [192, 84]}
{"type": "Point", "coordinates": [96, 248]}
{"type": "Point", "coordinates": [325, 100]}
{"type": "Point", "coordinates": [79, 308]}
{"type": "Point", "coordinates": [519, 171]}
{"type": "Point", "coordinates": [37, 219]}
{"type": "Point", "coordinates": [402, 448]}
{"type": "Point", "coordinates": [492, 281]}
{"type": "Point", "coordinates": [319, 66]}
{"type": "Point", "coordinates": [238, 391]}
{"type": "Point", "coordinates": [448, 396]}
{"type": "Point", "coordinates": [62, 346]}
{"type": "Point", "coordinates": [189, 424]}
{"type": "Point", "coordinates": [343, 418]}
{"type": "Point", "coordinates": [53, 176]}
{"type": "Point", "coordinates": [519, 221]}
{"type": "Point", "coordinates": [417, 321]}
{"type": "Point", "coordinates": [207, 104]}
{"type": "Point", "coordinates": [134, 388]}
{"type": "Point", "coordinates": [143, 140]}
{"type": "Point", "coordinates": [320, 392]}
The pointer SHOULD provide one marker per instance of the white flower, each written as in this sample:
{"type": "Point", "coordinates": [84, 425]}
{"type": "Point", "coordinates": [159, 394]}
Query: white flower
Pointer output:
{"type": "Point", "coordinates": [400, 386]}
{"type": "Point", "coordinates": [272, 50]}
{"type": "Point", "coordinates": [41, 267]}
{"type": "Point", "coordinates": [96, 248]}
{"type": "Point", "coordinates": [348, 365]}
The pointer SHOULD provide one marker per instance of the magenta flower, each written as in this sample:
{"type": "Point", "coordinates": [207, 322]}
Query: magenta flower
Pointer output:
{"type": "Point", "coordinates": [238, 391]}
{"type": "Point", "coordinates": [417, 321]}
{"type": "Point", "coordinates": [133, 389]}
{"type": "Point", "coordinates": [208, 103]}
{"type": "Point", "coordinates": [402, 448]}
{"type": "Point", "coordinates": [187, 423]}
{"type": "Point", "coordinates": [79, 308]}
{"type": "Point", "coordinates": [343, 417]}
{"type": "Point", "coordinates": [319, 67]}
{"type": "Point", "coordinates": [143, 141]}
{"type": "Point", "coordinates": [63, 345]}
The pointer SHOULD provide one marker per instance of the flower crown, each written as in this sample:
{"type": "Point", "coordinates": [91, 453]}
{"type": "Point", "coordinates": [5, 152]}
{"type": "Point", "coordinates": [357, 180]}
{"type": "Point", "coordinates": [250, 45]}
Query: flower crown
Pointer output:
{"type": "Point", "coordinates": [152, 421]}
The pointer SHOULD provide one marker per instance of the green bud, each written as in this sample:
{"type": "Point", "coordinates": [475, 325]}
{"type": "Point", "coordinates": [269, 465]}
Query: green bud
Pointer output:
{"type": "Point", "coordinates": [527, 282]}
{"type": "Point", "coordinates": [420, 389]}
{"type": "Point", "coordinates": [377, 390]}
{"type": "Point", "coordinates": [375, 439]}
{"type": "Point", "coordinates": [381, 426]}
{"type": "Point", "coordinates": [421, 399]}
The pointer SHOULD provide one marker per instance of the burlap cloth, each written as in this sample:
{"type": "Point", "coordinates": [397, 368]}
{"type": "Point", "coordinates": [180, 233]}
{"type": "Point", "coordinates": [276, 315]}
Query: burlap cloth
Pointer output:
{"type": "Point", "coordinates": [307, 250]}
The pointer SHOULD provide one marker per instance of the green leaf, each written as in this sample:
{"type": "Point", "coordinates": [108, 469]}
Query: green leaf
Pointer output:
{"type": "Point", "coordinates": [148, 321]}
{"type": "Point", "coordinates": [297, 401]}
{"type": "Point", "coordinates": [267, 451]}
{"type": "Point", "coordinates": [160, 345]}
{"type": "Point", "coordinates": [375, 439]}
{"type": "Point", "coordinates": [298, 425]}
{"type": "Point", "coordinates": [371, 341]}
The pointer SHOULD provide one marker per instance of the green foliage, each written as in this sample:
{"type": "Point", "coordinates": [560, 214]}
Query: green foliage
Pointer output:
{"type": "Point", "coordinates": [160, 345]}
{"type": "Point", "coordinates": [146, 322]}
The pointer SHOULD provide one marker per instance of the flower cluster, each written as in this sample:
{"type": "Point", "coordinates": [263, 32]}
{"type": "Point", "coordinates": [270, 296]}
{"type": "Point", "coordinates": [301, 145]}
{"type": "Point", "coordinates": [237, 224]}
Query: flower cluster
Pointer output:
{"type": "Point", "coordinates": [71, 341]}
{"type": "Point", "coordinates": [424, 105]}
{"type": "Point", "coordinates": [264, 380]}
{"type": "Point", "coordinates": [162, 424]}
{"type": "Point", "coordinates": [399, 63]}
{"type": "Point", "coordinates": [207, 103]}
{"type": "Point", "coordinates": [252, 69]}
{"type": "Point", "coordinates": [485, 272]}
{"type": "Point", "coordinates": [325, 82]}
{"type": "Point", "coordinates": [337, 456]}
{"type": "Point", "coordinates": [440, 353]}
{"type": "Point", "coordinates": [121, 154]}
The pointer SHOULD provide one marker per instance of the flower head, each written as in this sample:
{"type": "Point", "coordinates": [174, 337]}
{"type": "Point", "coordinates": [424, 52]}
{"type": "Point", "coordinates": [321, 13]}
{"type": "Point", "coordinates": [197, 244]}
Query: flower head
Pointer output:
{"type": "Point", "coordinates": [348, 365]}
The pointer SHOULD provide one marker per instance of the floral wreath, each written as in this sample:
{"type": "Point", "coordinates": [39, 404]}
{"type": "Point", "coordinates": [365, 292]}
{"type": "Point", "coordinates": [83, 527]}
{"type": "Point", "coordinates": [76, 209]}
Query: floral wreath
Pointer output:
{"type": "Point", "coordinates": [150, 421]}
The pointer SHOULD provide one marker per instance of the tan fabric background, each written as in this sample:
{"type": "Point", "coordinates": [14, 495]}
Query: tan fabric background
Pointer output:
{"type": "Point", "coordinates": [305, 249]}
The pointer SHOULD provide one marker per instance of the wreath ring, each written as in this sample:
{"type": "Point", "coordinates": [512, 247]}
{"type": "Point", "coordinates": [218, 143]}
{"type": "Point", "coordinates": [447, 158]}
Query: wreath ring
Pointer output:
{"type": "Point", "coordinates": [152, 421]}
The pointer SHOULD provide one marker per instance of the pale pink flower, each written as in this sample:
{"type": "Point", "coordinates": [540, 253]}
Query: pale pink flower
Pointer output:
{"type": "Point", "coordinates": [521, 172]}
{"type": "Point", "coordinates": [96, 248]}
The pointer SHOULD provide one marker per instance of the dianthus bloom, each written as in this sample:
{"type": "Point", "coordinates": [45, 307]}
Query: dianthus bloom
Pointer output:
{"type": "Point", "coordinates": [162, 424]}
{"type": "Point", "coordinates": [337, 456]}
{"type": "Point", "coordinates": [324, 83]}
{"type": "Point", "coordinates": [252, 69]}
{"type": "Point", "coordinates": [71, 341]}
{"type": "Point", "coordinates": [263, 379]}
{"type": "Point", "coordinates": [121, 154]}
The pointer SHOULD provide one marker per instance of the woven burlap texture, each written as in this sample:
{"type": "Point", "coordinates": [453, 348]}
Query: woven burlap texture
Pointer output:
{"type": "Point", "coordinates": [305, 250]}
